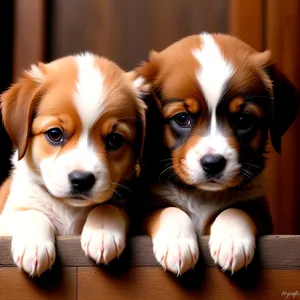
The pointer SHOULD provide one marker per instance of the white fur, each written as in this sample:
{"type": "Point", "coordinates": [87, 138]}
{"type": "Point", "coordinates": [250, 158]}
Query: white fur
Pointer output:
{"type": "Point", "coordinates": [140, 87]}
{"type": "Point", "coordinates": [36, 73]}
{"type": "Point", "coordinates": [175, 244]}
{"type": "Point", "coordinates": [55, 170]}
{"type": "Point", "coordinates": [214, 71]}
{"type": "Point", "coordinates": [32, 217]}
{"type": "Point", "coordinates": [103, 236]}
{"type": "Point", "coordinates": [212, 75]}
{"type": "Point", "coordinates": [90, 92]}
{"type": "Point", "coordinates": [26, 192]}
{"type": "Point", "coordinates": [214, 144]}
{"type": "Point", "coordinates": [33, 247]}
{"type": "Point", "coordinates": [232, 240]}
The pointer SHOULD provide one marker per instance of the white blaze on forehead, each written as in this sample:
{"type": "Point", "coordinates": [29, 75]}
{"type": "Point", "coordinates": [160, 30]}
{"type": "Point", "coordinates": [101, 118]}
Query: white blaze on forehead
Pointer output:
{"type": "Point", "coordinates": [214, 71]}
{"type": "Point", "coordinates": [89, 95]}
{"type": "Point", "coordinates": [213, 74]}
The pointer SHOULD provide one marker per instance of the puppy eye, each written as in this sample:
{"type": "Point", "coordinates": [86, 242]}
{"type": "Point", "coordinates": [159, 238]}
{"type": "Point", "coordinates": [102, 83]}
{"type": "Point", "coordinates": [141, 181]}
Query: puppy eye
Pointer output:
{"type": "Point", "coordinates": [245, 121]}
{"type": "Point", "coordinates": [55, 136]}
{"type": "Point", "coordinates": [114, 141]}
{"type": "Point", "coordinates": [182, 120]}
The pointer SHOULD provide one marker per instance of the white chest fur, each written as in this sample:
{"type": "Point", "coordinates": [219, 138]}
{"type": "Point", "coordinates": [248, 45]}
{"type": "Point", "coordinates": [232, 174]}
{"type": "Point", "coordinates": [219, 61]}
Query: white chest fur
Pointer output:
{"type": "Point", "coordinates": [200, 205]}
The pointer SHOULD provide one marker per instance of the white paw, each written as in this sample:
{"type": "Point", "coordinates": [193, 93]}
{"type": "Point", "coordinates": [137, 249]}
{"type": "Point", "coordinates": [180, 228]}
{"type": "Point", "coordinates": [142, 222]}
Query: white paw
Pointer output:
{"type": "Point", "coordinates": [231, 251]}
{"type": "Point", "coordinates": [102, 245]}
{"type": "Point", "coordinates": [33, 256]}
{"type": "Point", "coordinates": [176, 254]}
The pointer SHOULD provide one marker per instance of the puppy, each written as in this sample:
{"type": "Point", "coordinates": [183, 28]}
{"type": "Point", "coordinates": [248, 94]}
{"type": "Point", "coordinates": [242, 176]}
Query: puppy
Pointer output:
{"type": "Point", "coordinates": [77, 124]}
{"type": "Point", "coordinates": [214, 99]}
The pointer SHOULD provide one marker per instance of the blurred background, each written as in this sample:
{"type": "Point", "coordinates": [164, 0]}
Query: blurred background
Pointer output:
{"type": "Point", "coordinates": [125, 31]}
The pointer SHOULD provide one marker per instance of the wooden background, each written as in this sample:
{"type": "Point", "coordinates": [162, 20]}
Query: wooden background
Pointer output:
{"type": "Point", "coordinates": [125, 31]}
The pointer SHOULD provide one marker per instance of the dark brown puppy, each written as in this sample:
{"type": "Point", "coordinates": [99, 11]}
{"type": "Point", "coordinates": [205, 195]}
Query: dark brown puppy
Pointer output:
{"type": "Point", "coordinates": [214, 100]}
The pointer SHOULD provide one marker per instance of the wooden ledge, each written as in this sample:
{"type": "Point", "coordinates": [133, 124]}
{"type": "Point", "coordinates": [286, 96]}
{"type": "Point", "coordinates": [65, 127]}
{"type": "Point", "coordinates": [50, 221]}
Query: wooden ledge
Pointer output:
{"type": "Point", "coordinates": [275, 252]}
{"type": "Point", "coordinates": [136, 275]}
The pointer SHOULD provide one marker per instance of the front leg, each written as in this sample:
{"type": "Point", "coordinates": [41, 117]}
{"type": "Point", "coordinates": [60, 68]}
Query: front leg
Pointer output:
{"type": "Point", "coordinates": [104, 233]}
{"type": "Point", "coordinates": [232, 240]}
{"type": "Point", "coordinates": [33, 242]}
{"type": "Point", "coordinates": [174, 239]}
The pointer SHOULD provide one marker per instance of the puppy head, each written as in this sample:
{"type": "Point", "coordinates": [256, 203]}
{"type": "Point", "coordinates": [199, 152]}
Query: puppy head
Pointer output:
{"type": "Point", "coordinates": [78, 122]}
{"type": "Point", "coordinates": [218, 102]}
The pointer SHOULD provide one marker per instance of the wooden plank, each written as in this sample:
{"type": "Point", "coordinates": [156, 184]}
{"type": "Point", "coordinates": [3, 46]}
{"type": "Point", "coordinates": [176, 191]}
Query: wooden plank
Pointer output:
{"type": "Point", "coordinates": [153, 283]}
{"type": "Point", "coordinates": [125, 31]}
{"type": "Point", "coordinates": [274, 252]}
{"type": "Point", "coordinates": [246, 21]}
{"type": "Point", "coordinates": [283, 39]}
{"type": "Point", "coordinates": [29, 34]}
{"type": "Point", "coordinates": [58, 284]}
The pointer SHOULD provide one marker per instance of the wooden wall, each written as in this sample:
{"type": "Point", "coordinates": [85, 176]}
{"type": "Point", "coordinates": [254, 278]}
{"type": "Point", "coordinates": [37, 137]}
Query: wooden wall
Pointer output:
{"type": "Point", "coordinates": [125, 31]}
{"type": "Point", "coordinates": [275, 25]}
{"type": "Point", "coordinates": [29, 34]}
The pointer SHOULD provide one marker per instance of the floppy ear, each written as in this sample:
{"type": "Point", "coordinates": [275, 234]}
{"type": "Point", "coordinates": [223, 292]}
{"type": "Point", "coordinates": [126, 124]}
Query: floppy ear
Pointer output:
{"type": "Point", "coordinates": [285, 105]}
{"type": "Point", "coordinates": [149, 70]}
{"type": "Point", "coordinates": [141, 89]}
{"type": "Point", "coordinates": [18, 104]}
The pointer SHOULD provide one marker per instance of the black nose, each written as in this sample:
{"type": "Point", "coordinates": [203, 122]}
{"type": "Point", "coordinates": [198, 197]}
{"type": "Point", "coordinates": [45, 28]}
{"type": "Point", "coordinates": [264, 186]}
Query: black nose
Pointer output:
{"type": "Point", "coordinates": [82, 181]}
{"type": "Point", "coordinates": [213, 164]}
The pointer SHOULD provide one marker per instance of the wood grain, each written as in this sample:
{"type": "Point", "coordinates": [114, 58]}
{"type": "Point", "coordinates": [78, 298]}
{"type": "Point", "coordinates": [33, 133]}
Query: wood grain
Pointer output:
{"type": "Point", "coordinates": [283, 38]}
{"type": "Point", "coordinates": [274, 252]}
{"type": "Point", "coordinates": [246, 21]}
{"type": "Point", "coordinates": [125, 31]}
{"type": "Point", "coordinates": [58, 284]}
{"type": "Point", "coordinates": [29, 34]}
{"type": "Point", "coordinates": [154, 283]}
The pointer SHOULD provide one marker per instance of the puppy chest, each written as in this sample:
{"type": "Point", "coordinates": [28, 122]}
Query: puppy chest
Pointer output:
{"type": "Point", "coordinates": [200, 206]}
{"type": "Point", "coordinates": [68, 221]}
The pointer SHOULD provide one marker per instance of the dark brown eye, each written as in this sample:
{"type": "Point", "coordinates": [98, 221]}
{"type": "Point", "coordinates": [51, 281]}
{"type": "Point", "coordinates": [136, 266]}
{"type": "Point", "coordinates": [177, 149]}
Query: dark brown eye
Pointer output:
{"type": "Point", "coordinates": [245, 121]}
{"type": "Point", "coordinates": [114, 141]}
{"type": "Point", "coordinates": [55, 136]}
{"type": "Point", "coordinates": [182, 119]}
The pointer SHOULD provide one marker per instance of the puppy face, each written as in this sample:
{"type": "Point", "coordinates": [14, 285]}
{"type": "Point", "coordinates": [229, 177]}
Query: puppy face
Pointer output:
{"type": "Point", "coordinates": [216, 101]}
{"type": "Point", "coordinates": [81, 126]}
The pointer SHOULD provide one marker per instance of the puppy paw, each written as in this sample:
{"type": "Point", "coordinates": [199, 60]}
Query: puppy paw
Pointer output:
{"type": "Point", "coordinates": [176, 254]}
{"type": "Point", "coordinates": [33, 256]}
{"type": "Point", "coordinates": [231, 251]}
{"type": "Point", "coordinates": [102, 245]}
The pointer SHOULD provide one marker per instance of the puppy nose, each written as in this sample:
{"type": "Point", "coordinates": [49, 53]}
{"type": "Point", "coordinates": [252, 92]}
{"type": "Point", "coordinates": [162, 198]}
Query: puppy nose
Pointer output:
{"type": "Point", "coordinates": [82, 181]}
{"type": "Point", "coordinates": [213, 164]}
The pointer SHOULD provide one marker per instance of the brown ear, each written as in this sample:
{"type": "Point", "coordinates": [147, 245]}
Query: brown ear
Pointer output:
{"type": "Point", "coordinates": [149, 70]}
{"type": "Point", "coordinates": [285, 105]}
{"type": "Point", "coordinates": [18, 104]}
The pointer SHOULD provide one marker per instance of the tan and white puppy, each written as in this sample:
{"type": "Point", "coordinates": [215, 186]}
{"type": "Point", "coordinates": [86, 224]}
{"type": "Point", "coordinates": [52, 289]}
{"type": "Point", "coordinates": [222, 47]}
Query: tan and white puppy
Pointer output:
{"type": "Point", "coordinates": [78, 125]}
{"type": "Point", "coordinates": [214, 100]}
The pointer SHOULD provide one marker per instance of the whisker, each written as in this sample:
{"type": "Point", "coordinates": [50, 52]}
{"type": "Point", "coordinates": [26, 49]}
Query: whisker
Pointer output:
{"type": "Point", "coordinates": [254, 166]}
{"type": "Point", "coordinates": [115, 192]}
{"type": "Point", "coordinates": [248, 174]}
{"type": "Point", "coordinates": [170, 168]}
{"type": "Point", "coordinates": [124, 187]}
{"type": "Point", "coordinates": [166, 159]}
